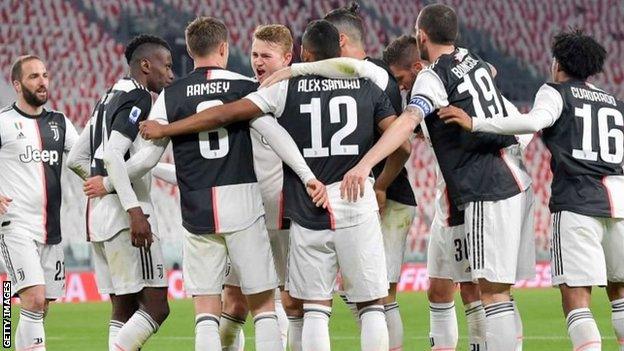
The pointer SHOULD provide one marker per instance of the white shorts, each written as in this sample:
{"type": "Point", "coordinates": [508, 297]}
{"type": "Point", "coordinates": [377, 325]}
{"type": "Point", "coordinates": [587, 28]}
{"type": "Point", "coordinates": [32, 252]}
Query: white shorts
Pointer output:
{"type": "Point", "coordinates": [586, 251]}
{"type": "Point", "coordinates": [30, 263]}
{"type": "Point", "coordinates": [249, 252]}
{"type": "Point", "coordinates": [279, 246]}
{"type": "Point", "coordinates": [395, 224]}
{"type": "Point", "coordinates": [501, 239]}
{"type": "Point", "coordinates": [122, 269]}
{"type": "Point", "coordinates": [447, 253]}
{"type": "Point", "coordinates": [316, 255]}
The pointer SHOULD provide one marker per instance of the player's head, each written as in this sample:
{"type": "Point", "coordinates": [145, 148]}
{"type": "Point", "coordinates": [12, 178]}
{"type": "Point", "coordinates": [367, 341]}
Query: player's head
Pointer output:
{"type": "Point", "coordinates": [576, 55]}
{"type": "Point", "coordinates": [149, 58]}
{"type": "Point", "coordinates": [207, 37]}
{"type": "Point", "coordinates": [349, 25]}
{"type": "Point", "coordinates": [29, 77]}
{"type": "Point", "coordinates": [436, 25]}
{"type": "Point", "coordinates": [320, 41]}
{"type": "Point", "coordinates": [403, 57]}
{"type": "Point", "coordinates": [271, 49]}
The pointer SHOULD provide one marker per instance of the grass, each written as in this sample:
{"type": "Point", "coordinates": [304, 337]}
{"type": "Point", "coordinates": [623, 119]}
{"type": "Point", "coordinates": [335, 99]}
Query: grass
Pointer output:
{"type": "Point", "coordinates": [85, 326]}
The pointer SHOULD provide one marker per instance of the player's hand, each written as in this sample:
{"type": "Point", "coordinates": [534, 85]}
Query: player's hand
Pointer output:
{"type": "Point", "coordinates": [380, 194]}
{"type": "Point", "coordinates": [276, 77]}
{"type": "Point", "coordinates": [452, 114]}
{"type": "Point", "coordinates": [353, 182]}
{"type": "Point", "coordinates": [151, 130]}
{"type": "Point", "coordinates": [140, 229]}
{"type": "Point", "coordinates": [318, 193]}
{"type": "Point", "coordinates": [4, 204]}
{"type": "Point", "coordinates": [94, 187]}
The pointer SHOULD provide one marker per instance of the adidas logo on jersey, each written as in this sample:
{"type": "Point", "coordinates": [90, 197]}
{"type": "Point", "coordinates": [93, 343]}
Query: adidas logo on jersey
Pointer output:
{"type": "Point", "coordinates": [34, 155]}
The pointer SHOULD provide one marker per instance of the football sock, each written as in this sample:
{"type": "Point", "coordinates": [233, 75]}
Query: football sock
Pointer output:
{"type": "Point", "coordinates": [583, 330]}
{"type": "Point", "coordinates": [443, 332]}
{"type": "Point", "coordinates": [475, 318]}
{"type": "Point", "coordinates": [395, 326]}
{"type": "Point", "coordinates": [207, 332]}
{"type": "Point", "coordinates": [500, 326]}
{"type": "Point", "coordinates": [268, 336]}
{"type": "Point", "coordinates": [136, 331]}
{"type": "Point", "coordinates": [315, 333]}
{"type": "Point", "coordinates": [229, 330]}
{"type": "Point", "coordinates": [374, 331]}
{"type": "Point", "coordinates": [30, 334]}
{"type": "Point", "coordinates": [113, 329]}
{"type": "Point", "coordinates": [295, 327]}
{"type": "Point", "coordinates": [519, 328]}
{"type": "Point", "coordinates": [617, 318]}
{"type": "Point", "coordinates": [282, 320]}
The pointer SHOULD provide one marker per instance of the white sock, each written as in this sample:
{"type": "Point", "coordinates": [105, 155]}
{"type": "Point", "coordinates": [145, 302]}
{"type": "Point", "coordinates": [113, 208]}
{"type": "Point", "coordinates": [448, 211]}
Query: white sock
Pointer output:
{"type": "Point", "coordinates": [113, 329]}
{"type": "Point", "coordinates": [229, 330]}
{"type": "Point", "coordinates": [443, 332]}
{"type": "Point", "coordinates": [395, 326]}
{"type": "Point", "coordinates": [268, 337]}
{"type": "Point", "coordinates": [135, 331]}
{"type": "Point", "coordinates": [475, 318]}
{"type": "Point", "coordinates": [315, 333]}
{"type": "Point", "coordinates": [583, 330]}
{"type": "Point", "coordinates": [353, 308]}
{"type": "Point", "coordinates": [282, 320]}
{"type": "Point", "coordinates": [30, 333]}
{"type": "Point", "coordinates": [374, 333]}
{"type": "Point", "coordinates": [295, 327]}
{"type": "Point", "coordinates": [519, 327]}
{"type": "Point", "coordinates": [240, 341]}
{"type": "Point", "coordinates": [207, 332]}
{"type": "Point", "coordinates": [617, 318]}
{"type": "Point", "coordinates": [500, 326]}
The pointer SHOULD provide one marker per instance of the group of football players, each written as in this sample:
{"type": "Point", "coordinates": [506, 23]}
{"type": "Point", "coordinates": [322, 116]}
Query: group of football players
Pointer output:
{"type": "Point", "coordinates": [296, 176]}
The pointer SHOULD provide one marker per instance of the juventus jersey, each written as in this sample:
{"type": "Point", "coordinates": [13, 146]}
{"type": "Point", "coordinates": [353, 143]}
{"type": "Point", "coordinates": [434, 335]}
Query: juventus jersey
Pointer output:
{"type": "Point", "coordinates": [121, 109]}
{"type": "Point", "coordinates": [31, 157]}
{"type": "Point", "coordinates": [215, 170]}
{"type": "Point", "coordinates": [475, 166]}
{"type": "Point", "coordinates": [400, 189]}
{"type": "Point", "coordinates": [333, 121]}
{"type": "Point", "coordinates": [587, 147]}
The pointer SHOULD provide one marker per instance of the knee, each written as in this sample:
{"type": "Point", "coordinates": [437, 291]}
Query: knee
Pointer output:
{"type": "Point", "coordinates": [440, 291]}
{"type": "Point", "coordinates": [33, 299]}
{"type": "Point", "coordinates": [292, 306]}
{"type": "Point", "coordinates": [237, 308]}
{"type": "Point", "coordinates": [160, 313]}
{"type": "Point", "coordinates": [469, 293]}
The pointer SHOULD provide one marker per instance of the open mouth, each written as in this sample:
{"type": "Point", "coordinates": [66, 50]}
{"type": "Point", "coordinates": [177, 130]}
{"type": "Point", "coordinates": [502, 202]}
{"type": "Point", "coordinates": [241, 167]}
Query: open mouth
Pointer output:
{"type": "Point", "coordinates": [260, 72]}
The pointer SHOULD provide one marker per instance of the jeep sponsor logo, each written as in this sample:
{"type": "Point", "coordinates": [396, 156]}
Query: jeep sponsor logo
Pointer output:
{"type": "Point", "coordinates": [34, 155]}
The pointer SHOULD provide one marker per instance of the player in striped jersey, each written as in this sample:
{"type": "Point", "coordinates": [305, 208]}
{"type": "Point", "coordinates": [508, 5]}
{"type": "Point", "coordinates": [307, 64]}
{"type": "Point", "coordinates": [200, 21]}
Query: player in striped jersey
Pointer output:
{"type": "Point", "coordinates": [128, 259]}
{"type": "Point", "coordinates": [583, 127]}
{"type": "Point", "coordinates": [33, 141]}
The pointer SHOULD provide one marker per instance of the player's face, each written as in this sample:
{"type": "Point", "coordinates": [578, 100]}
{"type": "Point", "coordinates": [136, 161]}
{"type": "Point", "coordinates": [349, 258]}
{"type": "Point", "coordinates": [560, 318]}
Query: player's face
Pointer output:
{"type": "Point", "coordinates": [34, 83]}
{"type": "Point", "coordinates": [267, 57]}
{"type": "Point", "coordinates": [161, 73]}
{"type": "Point", "coordinates": [405, 77]}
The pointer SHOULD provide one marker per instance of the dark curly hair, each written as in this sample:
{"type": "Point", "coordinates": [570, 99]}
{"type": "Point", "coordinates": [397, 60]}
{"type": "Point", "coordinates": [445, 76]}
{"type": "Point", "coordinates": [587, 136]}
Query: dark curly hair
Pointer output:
{"type": "Point", "coordinates": [135, 48]}
{"type": "Point", "coordinates": [579, 55]}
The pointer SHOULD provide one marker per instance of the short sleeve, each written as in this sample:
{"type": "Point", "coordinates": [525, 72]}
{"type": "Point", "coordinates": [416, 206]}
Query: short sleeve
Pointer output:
{"type": "Point", "coordinates": [135, 110]}
{"type": "Point", "coordinates": [383, 107]}
{"type": "Point", "coordinates": [271, 99]}
{"type": "Point", "coordinates": [71, 135]}
{"type": "Point", "coordinates": [159, 110]}
{"type": "Point", "coordinates": [428, 92]}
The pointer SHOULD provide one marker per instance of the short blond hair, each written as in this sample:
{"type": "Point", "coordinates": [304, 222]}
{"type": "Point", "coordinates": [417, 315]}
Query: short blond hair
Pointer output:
{"type": "Point", "coordinates": [276, 34]}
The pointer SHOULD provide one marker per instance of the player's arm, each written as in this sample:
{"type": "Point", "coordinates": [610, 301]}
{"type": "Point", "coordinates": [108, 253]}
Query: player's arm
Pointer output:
{"type": "Point", "coordinates": [208, 119]}
{"type": "Point", "coordinates": [340, 68]}
{"type": "Point", "coordinates": [79, 157]}
{"type": "Point", "coordinates": [285, 147]}
{"type": "Point", "coordinates": [166, 172]}
{"type": "Point", "coordinates": [545, 112]}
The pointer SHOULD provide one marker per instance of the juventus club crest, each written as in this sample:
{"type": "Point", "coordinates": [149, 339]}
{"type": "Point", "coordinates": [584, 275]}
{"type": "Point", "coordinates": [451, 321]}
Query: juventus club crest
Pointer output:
{"type": "Point", "coordinates": [55, 130]}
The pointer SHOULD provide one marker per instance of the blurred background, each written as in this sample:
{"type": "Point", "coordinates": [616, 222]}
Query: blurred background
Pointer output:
{"type": "Point", "coordinates": [83, 42]}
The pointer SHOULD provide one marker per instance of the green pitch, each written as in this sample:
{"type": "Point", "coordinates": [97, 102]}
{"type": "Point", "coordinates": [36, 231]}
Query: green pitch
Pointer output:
{"type": "Point", "coordinates": [84, 326]}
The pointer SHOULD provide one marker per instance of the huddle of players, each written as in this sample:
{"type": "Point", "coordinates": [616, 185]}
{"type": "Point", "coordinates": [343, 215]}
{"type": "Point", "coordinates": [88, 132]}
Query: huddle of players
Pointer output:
{"type": "Point", "coordinates": [481, 185]}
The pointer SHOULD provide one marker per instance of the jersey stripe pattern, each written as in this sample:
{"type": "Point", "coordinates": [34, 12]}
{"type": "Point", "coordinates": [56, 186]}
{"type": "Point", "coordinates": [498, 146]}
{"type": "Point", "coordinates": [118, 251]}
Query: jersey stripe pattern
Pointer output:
{"type": "Point", "coordinates": [215, 170]}
{"type": "Point", "coordinates": [587, 147]}
{"type": "Point", "coordinates": [31, 157]}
